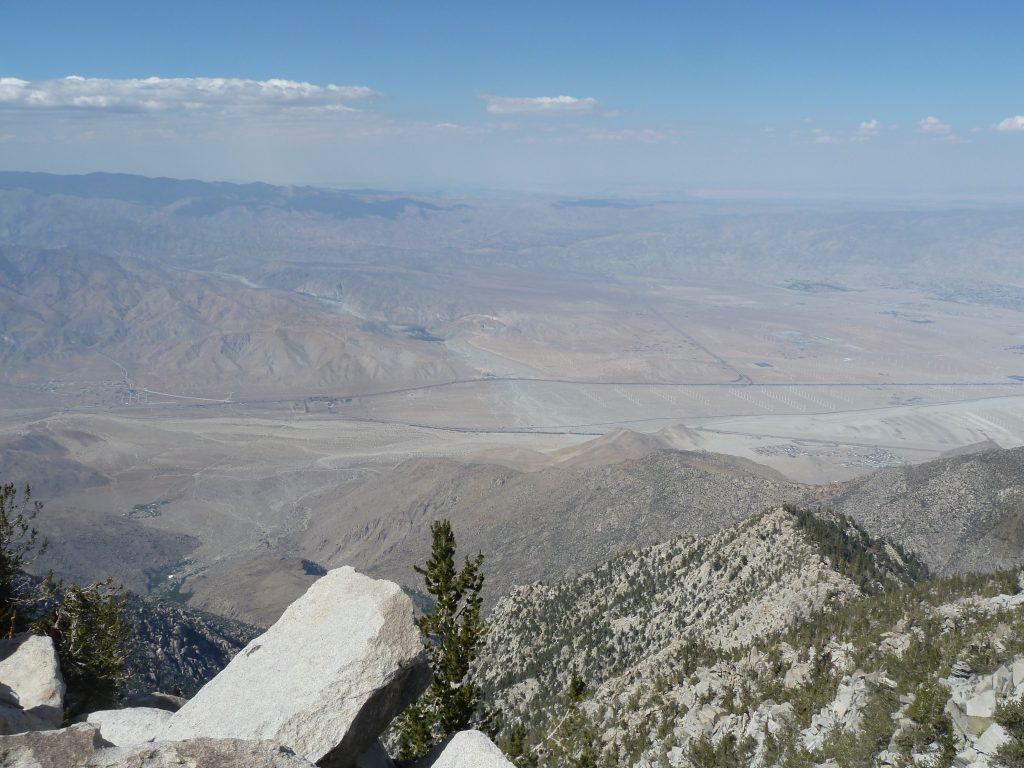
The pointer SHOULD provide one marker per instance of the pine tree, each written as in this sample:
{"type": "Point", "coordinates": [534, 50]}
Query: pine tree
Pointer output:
{"type": "Point", "coordinates": [452, 634]}
{"type": "Point", "coordinates": [19, 546]}
{"type": "Point", "coordinates": [91, 638]}
{"type": "Point", "coordinates": [84, 622]}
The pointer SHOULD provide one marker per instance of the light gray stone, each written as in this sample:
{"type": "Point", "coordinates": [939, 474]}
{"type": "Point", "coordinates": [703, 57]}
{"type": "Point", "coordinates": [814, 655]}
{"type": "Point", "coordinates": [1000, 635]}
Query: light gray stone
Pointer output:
{"type": "Point", "coordinates": [992, 739]}
{"type": "Point", "coordinates": [1002, 681]}
{"type": "Point", "coordinates": [129, 727]}
{"type": "Point", "coordinates": [779, 716]}
{"type": "Point", "coordinates": [968, 727]}
{"type": "Point", "coordinates": [1017, 668]}
{"type": "Point", "coordinates": [199, 753]}
{"type": "Point", "coordinates": [981, 705]}
{"type": "Point", "coordinates": [797, 675]}
{"type": "Point", "coordinates": [325, 680]}
{"type": "Point", "coordinates": [51, 749]}
{"type": "Point", "coordinates": [466, 749]}
{"type": "Point", "coordinates": [895, 643]}
{"type": "Point", "coordinates": [30, 677]}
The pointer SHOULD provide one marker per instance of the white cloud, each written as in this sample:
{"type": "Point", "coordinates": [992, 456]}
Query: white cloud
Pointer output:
{"type": "Point", "coordinates": [1015, 123]}
{"type": "Point", "coordinates": [934, 125]}
{"type": "Point", "coordinates": [181, 94]}
{"type": "Point", "coordinates": [870, 126]}
{"type": "Point", "coordinates": [508, 105]}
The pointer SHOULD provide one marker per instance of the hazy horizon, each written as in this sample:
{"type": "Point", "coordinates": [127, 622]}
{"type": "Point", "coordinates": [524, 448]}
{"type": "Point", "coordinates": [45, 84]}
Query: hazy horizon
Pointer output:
{"type": "Point", "coordinates": [915, 101]}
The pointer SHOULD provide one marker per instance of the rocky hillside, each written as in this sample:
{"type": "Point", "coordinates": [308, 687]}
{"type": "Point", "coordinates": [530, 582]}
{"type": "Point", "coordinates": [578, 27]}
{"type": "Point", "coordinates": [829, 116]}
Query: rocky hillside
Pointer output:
{"type": "Point", "coordinates": [961, 514]}
{"type": "Point", "coordinates": [526, 523]}
{"type": "Point", "coordinates": [790, 639]}
{"type": "Point", "coordinates": [178, 649]}
{"type": "Point", "coordinates": [747, 581]}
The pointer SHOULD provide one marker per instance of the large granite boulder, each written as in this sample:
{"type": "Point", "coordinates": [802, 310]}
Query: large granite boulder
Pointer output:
{"type": "Point", "coordinates": [466, 749]}
{"type": "Point", "coordinates": [325, 680]}
{"type": "Point", "coordinates": [200, 753]}
{"type": "Point", "coordinates": [129, 727]}
{"type": "Point", "coordinates": [62, 748]}
{"type": "Point", "coordinates": [30, 677]}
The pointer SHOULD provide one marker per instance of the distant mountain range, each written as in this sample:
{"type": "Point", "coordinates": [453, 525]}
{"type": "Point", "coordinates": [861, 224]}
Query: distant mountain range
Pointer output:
{"type": "Point", "coordinates": [237, 227]}
{"type": "Point", "coordinates": [189, 197]}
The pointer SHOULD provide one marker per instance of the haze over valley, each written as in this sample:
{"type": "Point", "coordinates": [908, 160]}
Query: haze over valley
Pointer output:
{"type": "Point", "coordinates": [227, 375]}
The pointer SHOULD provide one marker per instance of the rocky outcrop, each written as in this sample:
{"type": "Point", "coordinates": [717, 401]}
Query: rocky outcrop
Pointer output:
{"type": "Point", "coordinates": [156, 700]}
{"type": "Point", "coordinates": [129, 727]}
{"type": "Point", "coordinates": [972, 708]}
{"type": "Point", "coordinates": [625, 620]}
{"type": "Point", "coordinates": [202, 752]}
{"type": "Point", "coordinates": [326, 679]}
{"type": "Point", "coordinates": [62, 748]}
{"type": "Point", "coordinates": [843, 714]}
{"type": "Point", "coordinates": [467, 749]}
{"type": "Point", "coordinates": [17, 720]}
{"type": "Point", "coordinates": [31, 681]}
{"type": "Point", "coordinates": [177, 648]}
{"type": "Point", "coordinates": [320, 686]}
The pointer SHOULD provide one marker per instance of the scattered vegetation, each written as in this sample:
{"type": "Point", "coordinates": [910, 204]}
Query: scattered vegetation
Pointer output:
{"type": "Point", "coordinates": [1011, 717]}
{"type": "Point", "coordinates": [84, 621]}
{"type": "Point", "coordinates": [91, 638]}
{"type": "Point", "coordinates": [19, 546]}
{"type": "Point", "coordinates": [646, 675]}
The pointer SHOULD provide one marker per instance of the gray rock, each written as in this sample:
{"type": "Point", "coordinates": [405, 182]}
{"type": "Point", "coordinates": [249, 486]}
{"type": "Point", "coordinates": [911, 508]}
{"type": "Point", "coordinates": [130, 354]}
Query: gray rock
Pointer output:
{"type": "Point", "coordinates": [961, 669]}
{"type": "Point", "coordinates": [1002, 681]}
{"type": "Point", "coordinates": [374, 756]}
{"type": "Point", "coordinates": [51, 749]}
{"type": "Point", "coordinates": [966, 757]}
{"type": "Point", "coordinates": [992, 739]}
{"type": "Point", "coordinates": [201, 753]}
{"type": "Point", "coordinates": [129, 727]}
{"type": "Point", "coordinates": [1018, 671]}
{"type": "Point", "coordinates": [325, 680]}
{"type": "Point", "coordinates": [466, 749]}
{"type": "Point", "coordinates": [16, 720]}
{"type": "Point", "coordinates": [981, 705]}
{"type": "Point", "coordinates": [156, 700]}
{"type": "Point", "coordinates": [30, 677]}
{"type": "Point", "coordinates": [797, 675]}
{"type": "Point", "coordinates": [968, 727]}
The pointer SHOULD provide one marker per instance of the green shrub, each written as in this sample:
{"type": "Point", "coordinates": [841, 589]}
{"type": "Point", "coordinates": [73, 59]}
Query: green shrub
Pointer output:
{"type": "Point", "coordinates": [1010, 715]}
{"type": "Point", "coordinates": [91, 637]}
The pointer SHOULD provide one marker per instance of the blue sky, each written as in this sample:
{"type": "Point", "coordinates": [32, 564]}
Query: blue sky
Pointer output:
{"type": "Point", "coordinates": [806, 98]}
